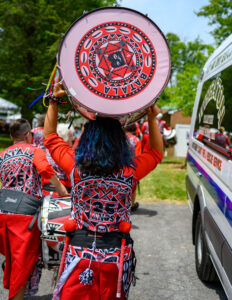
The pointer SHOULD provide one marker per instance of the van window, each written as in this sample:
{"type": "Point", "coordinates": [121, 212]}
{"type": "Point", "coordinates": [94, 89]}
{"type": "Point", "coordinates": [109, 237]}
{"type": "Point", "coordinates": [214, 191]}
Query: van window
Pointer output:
{"type": "Point", "coordinates": [214, 116]}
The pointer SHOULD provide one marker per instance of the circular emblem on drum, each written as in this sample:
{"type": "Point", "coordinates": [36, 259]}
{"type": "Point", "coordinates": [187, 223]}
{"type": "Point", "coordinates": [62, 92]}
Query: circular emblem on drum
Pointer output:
{"type": "Point", "coordinates": [115, 60]}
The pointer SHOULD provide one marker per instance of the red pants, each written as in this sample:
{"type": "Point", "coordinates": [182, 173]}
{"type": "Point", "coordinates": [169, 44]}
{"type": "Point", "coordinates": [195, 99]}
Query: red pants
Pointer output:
{"type": "Point", "coordinates": [103, 287]}
{"type": "Point", "coordinates": [21, 249]}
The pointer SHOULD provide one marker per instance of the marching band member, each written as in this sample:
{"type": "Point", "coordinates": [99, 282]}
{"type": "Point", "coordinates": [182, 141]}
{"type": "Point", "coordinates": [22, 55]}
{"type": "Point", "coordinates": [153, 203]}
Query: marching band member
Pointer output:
{"type": "Point", "coordinates": [135, 143]}
{"type": "Point", "coordinates": [145, 138]}
{"type": "Point", "coordinates": [103, 177]}
{"type": "Point", "coordinates": [145, 130]}
{"type": "Point", "coordinates": [135, 146]}
{"type": "Point", "coordinates": [67, 135]}
{"type": "Point", "coordinates": [21, 166]}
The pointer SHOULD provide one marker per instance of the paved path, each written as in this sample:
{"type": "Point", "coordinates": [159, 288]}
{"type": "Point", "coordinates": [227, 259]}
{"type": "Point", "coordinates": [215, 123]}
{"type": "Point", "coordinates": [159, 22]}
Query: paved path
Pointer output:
{"type": "Point", "coordinates": [165, 258]}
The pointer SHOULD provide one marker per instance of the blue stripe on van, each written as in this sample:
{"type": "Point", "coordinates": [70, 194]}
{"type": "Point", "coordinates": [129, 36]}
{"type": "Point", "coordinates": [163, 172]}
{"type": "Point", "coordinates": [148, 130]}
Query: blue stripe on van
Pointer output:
{"type": "Point", "coordinates": [221, 198]}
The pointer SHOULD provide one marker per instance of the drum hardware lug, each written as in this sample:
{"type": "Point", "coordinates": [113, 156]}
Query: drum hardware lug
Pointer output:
{"type": "Point", "coordinates": [43, 237]}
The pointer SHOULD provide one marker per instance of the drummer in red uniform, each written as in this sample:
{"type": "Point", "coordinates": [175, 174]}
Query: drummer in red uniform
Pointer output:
{"type": "Point", "coordinates": [37, 141]}
{"type": "Point", "coordinates": [135, 143]}
{"type": "Point", "coordinates": [145, 138]}
{"type": "Point", "coordinates": [161, 123]}
{"type": "Point", "coordinates": [103, 178]}
{"type": "Point", "coordinates": [145, 131]}
{"type": "Point", "coordinates": [135, 146]}
{"type": "Point", "coordinates": [21, 166]}
{"type": "Point", "coordinates": [37, 133]}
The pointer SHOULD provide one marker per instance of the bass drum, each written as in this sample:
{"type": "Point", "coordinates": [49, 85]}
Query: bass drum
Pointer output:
{"type": "Point", "coordinates": [54, 212]}
{"type": "Point", "coordinates": [114, 62]}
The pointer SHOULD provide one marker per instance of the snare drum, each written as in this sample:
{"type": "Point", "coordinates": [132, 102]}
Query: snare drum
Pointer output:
{"type": "Point", "coordinates": [54, 212]}
{"type": "Point", "coordinates": [114, 62]}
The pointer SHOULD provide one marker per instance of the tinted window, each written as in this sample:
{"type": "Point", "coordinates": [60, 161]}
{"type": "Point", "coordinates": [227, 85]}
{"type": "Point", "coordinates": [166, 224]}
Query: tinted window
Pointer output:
{"type": "Point", "coordinates": [214, 117]}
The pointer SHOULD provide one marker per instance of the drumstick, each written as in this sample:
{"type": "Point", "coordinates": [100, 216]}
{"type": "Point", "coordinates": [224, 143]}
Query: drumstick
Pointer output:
{"type": "Point", "coordinates": [124, 227]}
{"type": "Point", "coordinates": [69, 226]}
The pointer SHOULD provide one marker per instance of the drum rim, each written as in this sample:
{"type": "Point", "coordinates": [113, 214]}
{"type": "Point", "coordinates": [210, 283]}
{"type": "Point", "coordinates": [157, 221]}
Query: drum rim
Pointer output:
{"type": "Point", "coordinates": [133, 111]}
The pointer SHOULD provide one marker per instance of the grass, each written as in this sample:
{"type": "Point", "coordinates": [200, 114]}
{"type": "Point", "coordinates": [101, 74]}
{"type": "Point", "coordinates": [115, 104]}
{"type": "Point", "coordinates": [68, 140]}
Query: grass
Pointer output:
{"type": "Point", "coordinates": [5, 141]}
{"type": "Point", "coordinates": [166, 182]}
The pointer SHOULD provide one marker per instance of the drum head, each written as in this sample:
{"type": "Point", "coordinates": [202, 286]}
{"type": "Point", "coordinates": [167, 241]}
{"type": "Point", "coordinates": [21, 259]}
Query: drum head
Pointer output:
{"type": "Point", "coordinates": [114, 61]}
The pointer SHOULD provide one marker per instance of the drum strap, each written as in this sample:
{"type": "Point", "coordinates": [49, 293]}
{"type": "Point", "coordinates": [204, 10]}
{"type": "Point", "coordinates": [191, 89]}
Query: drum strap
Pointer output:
{"type": "Point", "coordinates": [18, 202]}
{"type": "Point", "coordinates": [84, 238]}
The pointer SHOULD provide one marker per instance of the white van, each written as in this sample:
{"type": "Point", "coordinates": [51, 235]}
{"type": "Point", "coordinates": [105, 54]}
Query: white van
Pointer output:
{"type": "Point", "coordinates": [209, 169]}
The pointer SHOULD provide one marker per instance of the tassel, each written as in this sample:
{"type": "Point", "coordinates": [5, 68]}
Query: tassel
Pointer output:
{"type": "Point", "coordinates": [86, 277]}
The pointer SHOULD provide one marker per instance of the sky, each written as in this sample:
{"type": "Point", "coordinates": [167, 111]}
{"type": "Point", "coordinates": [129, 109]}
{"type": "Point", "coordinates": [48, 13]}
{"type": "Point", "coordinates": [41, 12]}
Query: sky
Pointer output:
{"type": "Point", "coordinates": [176, 16]}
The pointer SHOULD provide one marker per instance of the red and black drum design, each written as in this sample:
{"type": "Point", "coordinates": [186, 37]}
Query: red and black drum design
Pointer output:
{"type": "Point", "coordinates": [114, 62]}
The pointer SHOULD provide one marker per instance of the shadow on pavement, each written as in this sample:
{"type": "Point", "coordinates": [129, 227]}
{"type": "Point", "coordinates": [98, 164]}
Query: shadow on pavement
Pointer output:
{"type": "Point", "coordinates": [145, 211]}
{"type": "Point", "coordinates": [218, 289]}
{"type": "Point", "coordinates": [134, 226]}
{"type": "Point", "coordinates": [44, 297]}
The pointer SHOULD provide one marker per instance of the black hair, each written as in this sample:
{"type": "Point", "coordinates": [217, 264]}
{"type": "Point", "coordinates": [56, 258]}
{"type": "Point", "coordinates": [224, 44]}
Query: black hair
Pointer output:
{"type": "Point", "coordinates": [130, 128]}
{"type": "Point", "coordinates": [19, 128]}
{"type": "Point", "coordinates": [103, 148]}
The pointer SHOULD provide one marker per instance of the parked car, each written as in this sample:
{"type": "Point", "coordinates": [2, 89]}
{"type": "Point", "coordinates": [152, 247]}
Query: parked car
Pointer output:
{"type": "Point", "coordinates": [209, 169]}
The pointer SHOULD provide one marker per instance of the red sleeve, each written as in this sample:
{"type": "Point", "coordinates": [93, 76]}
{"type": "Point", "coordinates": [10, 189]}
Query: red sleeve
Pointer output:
{"type": "Point", "coordinates": [42, 165]}
{"type": "Point", "coordinates": [166, 126]}
{"type": "Point", "coordinates": [146, 162]}
{"type": "Point", "coordinates": [138, 149]}
{"type": "Point", "coordinates": [143, 127]}
{"type": "Point", "coordinates": [145, 143]}
{"type": "Point", "coordinates": [137, 129]}
{"type": "Point", "coordinates": [61, 152]}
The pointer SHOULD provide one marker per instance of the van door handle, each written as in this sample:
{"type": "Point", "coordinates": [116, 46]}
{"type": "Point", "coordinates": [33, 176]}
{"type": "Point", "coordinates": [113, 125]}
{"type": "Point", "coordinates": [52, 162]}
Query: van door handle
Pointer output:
{"type": "Point", "coordinates": [199, 174]}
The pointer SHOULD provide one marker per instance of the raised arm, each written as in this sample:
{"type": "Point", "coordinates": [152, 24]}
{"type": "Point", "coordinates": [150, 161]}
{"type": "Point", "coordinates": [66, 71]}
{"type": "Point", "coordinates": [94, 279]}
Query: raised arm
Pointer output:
{"type": "Point", "coordinates": [50, 123]}
{"type": "Point", "coordinates": [45, 170]}
{"type": "Point", "coordinates": [155, 137]}
{"type": "Point", "coordinates": [60, 151]}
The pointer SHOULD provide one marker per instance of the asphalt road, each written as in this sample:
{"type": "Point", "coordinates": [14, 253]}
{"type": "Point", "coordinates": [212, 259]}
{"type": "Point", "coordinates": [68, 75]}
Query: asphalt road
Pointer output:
{"type": "Point", "coordinates": [165, 258]}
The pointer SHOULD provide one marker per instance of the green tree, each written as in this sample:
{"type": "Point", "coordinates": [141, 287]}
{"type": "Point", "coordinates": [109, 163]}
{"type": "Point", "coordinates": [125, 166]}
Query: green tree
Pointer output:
{"type": "Point", "coordinates": [177, 49]}
{"type": "Point", "coordinates": [30, 36]}
{"type": "Point", "coordinates": [187, 61]}
{"type": "Point", "coordinates": [219, 13]}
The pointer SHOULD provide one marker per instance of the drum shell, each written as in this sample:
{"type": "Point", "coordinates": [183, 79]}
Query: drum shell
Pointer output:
{"type": "Point", "coordinates": [54, 235]}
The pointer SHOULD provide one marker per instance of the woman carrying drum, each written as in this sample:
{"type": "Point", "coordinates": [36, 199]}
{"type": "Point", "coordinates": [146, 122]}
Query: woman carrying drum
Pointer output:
{"type": "Point", "coordinates": [103, 177]}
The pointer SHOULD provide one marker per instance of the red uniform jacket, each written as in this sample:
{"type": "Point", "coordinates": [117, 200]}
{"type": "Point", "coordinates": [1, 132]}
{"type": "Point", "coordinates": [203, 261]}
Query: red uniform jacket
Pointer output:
{"type": "Point", "coordinates": [99, 204]}
{"type": "Point", "coordinates": [21, 166]}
